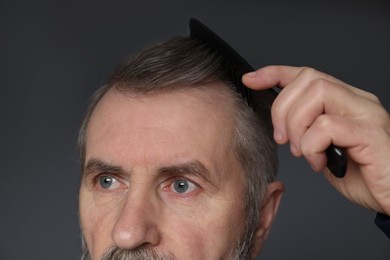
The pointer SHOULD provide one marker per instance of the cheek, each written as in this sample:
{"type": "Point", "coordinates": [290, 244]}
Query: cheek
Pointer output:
{"type": "Point", "coordinates": [226, 229]}
{"type": "Point", "coordinates": [96, 224]}
{"type": "Point", "coordinates": [190, 239]}
{"type": "Point", "coordinates": [209, 233]}
{"type": "Point", "coordinates": [224, 233]}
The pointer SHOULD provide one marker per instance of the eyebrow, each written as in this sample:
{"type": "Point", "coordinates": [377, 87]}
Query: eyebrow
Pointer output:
{"type": "Point", "coordinates": [96, 165]}
{"type": "Point", "coordinates": [192, 168]}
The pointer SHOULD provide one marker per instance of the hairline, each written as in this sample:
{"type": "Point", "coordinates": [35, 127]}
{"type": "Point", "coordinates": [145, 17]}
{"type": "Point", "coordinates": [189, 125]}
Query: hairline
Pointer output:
{"type": "Point", "coordinates": [128, 91]}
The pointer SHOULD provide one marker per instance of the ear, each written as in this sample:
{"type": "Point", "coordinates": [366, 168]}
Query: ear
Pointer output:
{"type": "Point", "coordinates": [269, 207]}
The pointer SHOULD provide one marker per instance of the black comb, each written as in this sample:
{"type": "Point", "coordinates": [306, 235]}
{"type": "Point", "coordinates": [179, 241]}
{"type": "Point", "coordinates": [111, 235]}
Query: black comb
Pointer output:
{"type": "Point", "coordinates": [236, 67]}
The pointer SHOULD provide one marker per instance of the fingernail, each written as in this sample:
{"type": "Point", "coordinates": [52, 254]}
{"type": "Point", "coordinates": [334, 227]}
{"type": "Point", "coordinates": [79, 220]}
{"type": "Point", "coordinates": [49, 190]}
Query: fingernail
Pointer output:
{"type": "Point", "coordinates": [278, 136]}
{"type": "Point", "coordinates": [250, 74]}
{"type": "Point", "coordinates": [294, 150]}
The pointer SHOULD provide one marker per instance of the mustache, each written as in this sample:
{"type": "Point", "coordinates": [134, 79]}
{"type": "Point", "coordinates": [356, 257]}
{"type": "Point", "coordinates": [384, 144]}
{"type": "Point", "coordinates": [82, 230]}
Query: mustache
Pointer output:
{"type": "Point", "coordinates": [115, 253]}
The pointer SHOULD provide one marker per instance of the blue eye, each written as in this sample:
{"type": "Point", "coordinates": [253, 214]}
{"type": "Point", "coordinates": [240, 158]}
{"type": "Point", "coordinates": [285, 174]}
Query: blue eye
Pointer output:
{"type": "Point", "coordinates": [108, 182]}
{"type": "Point", "coordinates": [182, 186]}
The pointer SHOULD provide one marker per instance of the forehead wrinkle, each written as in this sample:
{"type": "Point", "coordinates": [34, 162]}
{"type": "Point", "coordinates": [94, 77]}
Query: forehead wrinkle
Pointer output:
{"type": "Point", "coordinates": [215, 97]}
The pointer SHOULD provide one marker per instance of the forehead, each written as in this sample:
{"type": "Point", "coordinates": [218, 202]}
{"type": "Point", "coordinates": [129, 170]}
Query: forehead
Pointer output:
{"type": "Point", "coordinates": [161, 128]}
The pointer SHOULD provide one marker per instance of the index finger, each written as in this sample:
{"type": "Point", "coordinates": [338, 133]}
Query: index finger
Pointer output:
{"type": "Point", "coordinates": [270, 76]}
{"type": "Point", "coordinates": [281, 76]}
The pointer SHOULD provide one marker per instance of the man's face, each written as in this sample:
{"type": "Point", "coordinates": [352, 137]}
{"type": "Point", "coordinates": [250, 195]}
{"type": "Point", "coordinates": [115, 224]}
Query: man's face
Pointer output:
{"type": "Point", "coordinates": [160, 174]}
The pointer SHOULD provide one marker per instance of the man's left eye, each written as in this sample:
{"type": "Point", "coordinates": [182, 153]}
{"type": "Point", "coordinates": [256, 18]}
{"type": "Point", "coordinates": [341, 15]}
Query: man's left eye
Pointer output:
{"type": "Point", "coordinates": [183, 186]}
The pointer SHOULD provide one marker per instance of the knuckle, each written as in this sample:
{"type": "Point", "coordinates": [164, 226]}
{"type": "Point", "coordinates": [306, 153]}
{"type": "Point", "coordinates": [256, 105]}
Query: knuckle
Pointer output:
{"type": "Point", "coordinates": [319, 87]}
{"type": "Point", "coordinates": [324, 123]}
{"type": "Point", "coordinates": [309, 72]}
{"type": "Point", "coordinates": [374, 98]}
{"type": "Point", "coordinates": [321, 84]}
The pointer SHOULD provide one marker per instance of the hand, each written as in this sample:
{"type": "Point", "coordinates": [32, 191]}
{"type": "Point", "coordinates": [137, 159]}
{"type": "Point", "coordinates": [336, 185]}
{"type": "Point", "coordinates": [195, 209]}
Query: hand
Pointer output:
{"type": "Point", "coordinates": [315, 110]}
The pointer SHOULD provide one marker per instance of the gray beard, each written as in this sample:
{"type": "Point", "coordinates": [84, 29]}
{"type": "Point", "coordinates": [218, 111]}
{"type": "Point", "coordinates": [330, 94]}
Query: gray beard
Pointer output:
{"type": "Point", "coordinates": [241, 252]}
{"type": "Point", "coordinates": [137, 254]}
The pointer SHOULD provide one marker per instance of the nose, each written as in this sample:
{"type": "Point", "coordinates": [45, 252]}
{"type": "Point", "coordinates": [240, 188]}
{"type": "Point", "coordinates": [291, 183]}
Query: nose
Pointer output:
{"type": "Point", "coordinates": [135, 225]}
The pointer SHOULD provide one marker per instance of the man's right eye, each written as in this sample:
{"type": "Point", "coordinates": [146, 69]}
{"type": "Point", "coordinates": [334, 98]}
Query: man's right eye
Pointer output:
{"type": "Point", "coordinates": [108, 182]}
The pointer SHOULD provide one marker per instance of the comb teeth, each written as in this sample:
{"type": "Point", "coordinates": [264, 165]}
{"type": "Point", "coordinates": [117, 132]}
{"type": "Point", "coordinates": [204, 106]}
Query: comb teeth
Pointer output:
{"type": "Point", "coordinates": [234, 65]}
{"type": "Point", "coordinates": [235, 77]}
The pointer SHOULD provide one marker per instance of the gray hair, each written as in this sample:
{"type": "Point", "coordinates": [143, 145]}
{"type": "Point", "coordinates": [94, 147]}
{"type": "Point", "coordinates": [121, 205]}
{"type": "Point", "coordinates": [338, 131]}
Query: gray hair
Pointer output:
{"type": "Point", "coordinates": [186, 63]}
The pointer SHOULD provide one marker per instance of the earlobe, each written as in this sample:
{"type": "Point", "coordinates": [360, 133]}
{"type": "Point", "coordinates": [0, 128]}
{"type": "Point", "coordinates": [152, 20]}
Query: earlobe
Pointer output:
{"type": "Point", "coordinates": [269, 208]}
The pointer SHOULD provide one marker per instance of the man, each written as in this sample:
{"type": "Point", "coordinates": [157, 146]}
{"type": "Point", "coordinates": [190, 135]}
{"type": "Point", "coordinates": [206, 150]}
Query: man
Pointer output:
{"type": "Point", "coordinates": [177, 166]}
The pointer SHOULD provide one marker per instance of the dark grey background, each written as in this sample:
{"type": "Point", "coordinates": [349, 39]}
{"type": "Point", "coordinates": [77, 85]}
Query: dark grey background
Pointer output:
{"type": "Point", "coordinates": [54, 54]}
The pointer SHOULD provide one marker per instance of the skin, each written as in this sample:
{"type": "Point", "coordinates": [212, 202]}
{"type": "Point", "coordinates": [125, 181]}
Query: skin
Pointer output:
{"type": "Point", "coordinates": [146, 144]}
{"type": "Point", "coordinates": [314, 110]}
